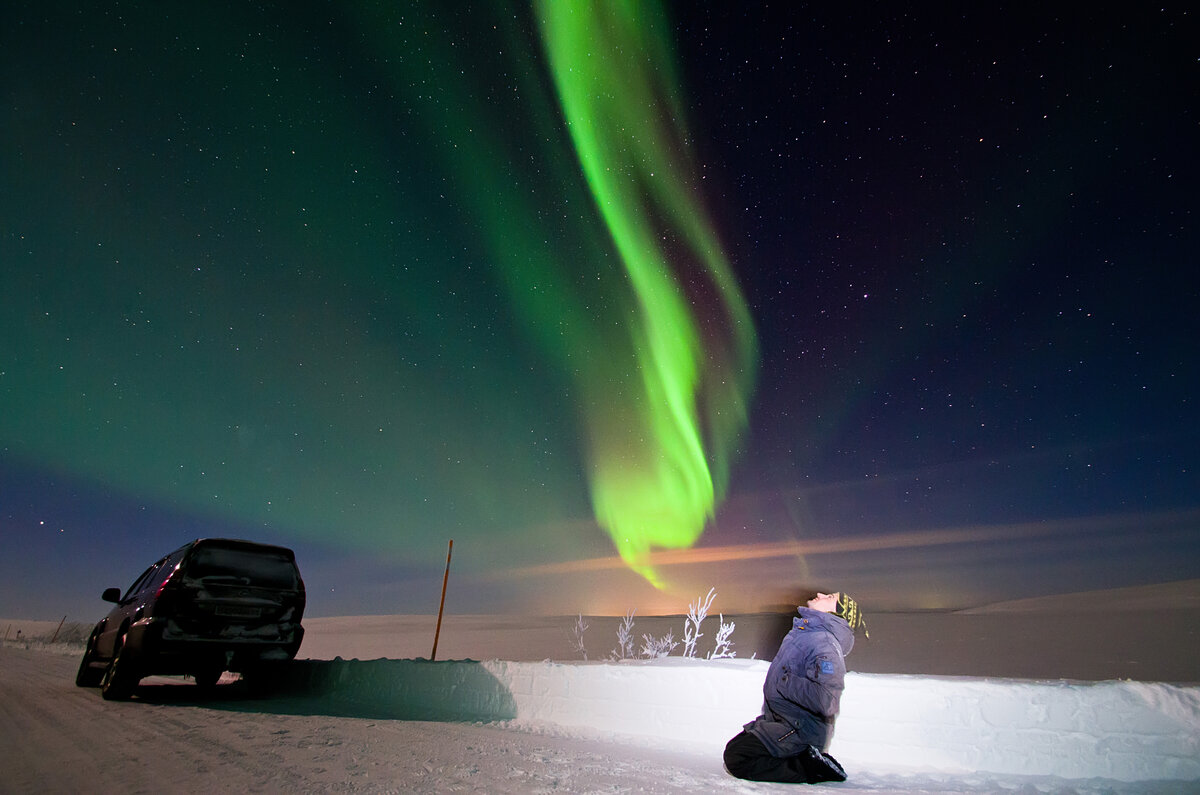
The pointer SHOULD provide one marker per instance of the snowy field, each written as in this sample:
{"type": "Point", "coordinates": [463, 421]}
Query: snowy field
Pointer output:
{"type": "Point", "coordinates": [511, 722]}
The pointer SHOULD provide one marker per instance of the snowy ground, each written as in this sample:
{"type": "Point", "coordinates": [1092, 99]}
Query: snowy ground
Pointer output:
{"type": "Point", "coordinates": [55, 737]}
{"type": "Point", "coordinates": [408, 725]}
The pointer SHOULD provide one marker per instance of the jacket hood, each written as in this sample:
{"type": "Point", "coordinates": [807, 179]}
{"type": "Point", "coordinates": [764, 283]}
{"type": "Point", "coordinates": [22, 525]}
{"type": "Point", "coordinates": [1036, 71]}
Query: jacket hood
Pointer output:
{"type": "Point", "coordinates": [835, 625]}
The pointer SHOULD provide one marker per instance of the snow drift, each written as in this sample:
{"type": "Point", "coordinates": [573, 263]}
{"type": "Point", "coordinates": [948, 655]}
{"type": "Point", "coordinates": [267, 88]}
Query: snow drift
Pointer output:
{"type": "Point", "coordinates": [1128, 731]}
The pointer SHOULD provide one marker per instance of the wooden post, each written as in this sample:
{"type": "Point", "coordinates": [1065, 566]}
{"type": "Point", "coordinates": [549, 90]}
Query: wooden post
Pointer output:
{"type": "Point", "coordinates": [442, 606]}
{"type": "Point", "coordinates": [60, 623]}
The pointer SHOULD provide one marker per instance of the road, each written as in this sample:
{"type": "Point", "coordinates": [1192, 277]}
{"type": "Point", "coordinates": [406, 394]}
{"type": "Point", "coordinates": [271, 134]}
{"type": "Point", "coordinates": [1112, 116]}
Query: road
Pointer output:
{"type": "Point", "coordinates": [56, 737]}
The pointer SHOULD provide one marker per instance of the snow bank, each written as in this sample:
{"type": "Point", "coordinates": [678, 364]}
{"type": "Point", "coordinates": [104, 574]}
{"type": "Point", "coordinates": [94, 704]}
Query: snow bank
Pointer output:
{"type": "Point", "coordinates": [1128, 731]}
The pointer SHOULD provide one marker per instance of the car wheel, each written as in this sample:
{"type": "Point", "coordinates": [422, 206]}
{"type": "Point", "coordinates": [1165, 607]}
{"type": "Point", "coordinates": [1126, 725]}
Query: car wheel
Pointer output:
{"type": "Point", "coordinates": [262, 679]}
{"type": "Point", "coordinates": [120, 677]}
{"type": "Point", "coordinates": [89, 675]}
{"type": "Point", "coordinates": [206, 678]}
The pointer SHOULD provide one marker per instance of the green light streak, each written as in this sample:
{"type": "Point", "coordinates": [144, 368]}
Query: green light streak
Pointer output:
{"type": "Point", "coordinates": [321, 324]}
{"type": "Point", "coordinates": [655, 482]}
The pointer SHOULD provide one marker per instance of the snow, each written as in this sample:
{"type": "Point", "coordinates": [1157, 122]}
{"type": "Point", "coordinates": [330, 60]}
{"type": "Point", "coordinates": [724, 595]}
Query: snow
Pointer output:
{"type": "Point", "coordinates": [502, 710]}
{"type": "Point", "coordinates": [1123, 731]}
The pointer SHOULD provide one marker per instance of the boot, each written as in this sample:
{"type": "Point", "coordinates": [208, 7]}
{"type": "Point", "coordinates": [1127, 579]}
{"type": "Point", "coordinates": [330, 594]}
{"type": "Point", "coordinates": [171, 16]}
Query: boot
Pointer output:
{"type": "Point", "coordinates": [820, 767]}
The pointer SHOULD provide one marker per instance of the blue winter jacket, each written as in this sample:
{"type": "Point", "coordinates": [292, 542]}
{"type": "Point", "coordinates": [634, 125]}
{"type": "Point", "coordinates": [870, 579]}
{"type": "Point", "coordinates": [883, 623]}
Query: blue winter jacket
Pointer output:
{"type": "Point", "coordinates": [803, 690]}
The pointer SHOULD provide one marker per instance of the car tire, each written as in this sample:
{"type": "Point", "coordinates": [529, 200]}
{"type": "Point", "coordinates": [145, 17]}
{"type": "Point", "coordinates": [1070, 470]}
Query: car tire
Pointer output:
{"type": "Point", "coordinates": [263, 679]}
{"type": "Point", "coordinates": [120, 677]}
{"type": "Point", "coordinates": [89, 675]}
{"type": "Point", "coordinates": [207, 678]}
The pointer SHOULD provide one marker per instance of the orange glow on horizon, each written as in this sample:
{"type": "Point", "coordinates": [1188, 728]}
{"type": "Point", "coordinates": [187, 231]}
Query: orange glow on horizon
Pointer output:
{"type": "Point", "coordinates": [798, 548]}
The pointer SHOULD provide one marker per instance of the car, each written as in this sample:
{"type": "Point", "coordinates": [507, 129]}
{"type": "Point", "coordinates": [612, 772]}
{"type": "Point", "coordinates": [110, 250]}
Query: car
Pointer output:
{"type": "Point", "coordinates": [213, 605]}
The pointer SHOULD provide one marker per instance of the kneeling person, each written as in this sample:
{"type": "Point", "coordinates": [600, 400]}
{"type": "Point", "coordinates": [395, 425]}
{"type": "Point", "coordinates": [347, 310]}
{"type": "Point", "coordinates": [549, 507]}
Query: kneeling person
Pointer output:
{"type": "Point", "coordinates": [801, 695]}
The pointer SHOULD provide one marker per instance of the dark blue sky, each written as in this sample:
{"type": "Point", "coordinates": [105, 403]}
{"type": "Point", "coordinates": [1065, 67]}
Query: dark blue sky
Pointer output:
{"type": "Point", "coordinates": [253, 286]}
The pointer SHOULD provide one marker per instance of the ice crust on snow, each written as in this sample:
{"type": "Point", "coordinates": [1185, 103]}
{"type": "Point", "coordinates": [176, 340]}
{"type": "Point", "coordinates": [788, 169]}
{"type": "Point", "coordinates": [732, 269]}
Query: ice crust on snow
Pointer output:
{"type": "Point", "coordinates": [1122, 730]}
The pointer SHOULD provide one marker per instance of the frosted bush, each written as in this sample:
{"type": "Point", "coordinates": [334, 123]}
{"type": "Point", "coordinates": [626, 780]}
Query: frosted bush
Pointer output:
{"type": "Point", "coordinates": [691, 629]}
{"type": "Point", "coordinates": [624, 650]}
{"type": "Point", "coordinates": [577, 636]}
{"type": "Point", "coordinates": [653, 648]}
{"type": "Point", "coordinates": [724, 646]}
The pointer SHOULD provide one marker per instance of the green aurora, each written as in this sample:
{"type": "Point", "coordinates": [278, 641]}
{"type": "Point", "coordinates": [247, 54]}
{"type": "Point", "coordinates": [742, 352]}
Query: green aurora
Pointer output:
{"type": "Point", "coordinates": [278, 299]}
{"type": "Point", "coordinates": [682, 401]}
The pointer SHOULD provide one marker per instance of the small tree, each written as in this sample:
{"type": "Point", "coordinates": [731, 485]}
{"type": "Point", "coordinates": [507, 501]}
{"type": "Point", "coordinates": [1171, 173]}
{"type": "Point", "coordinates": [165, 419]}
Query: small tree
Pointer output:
{"type": "Point", "coordinates": [724, 646]}
{"type": "Point", "coordinates": [697, 611]}
{"type": "Point", "coordinates": [577, 635]}
{"type": "Point", "coordinates": [624, 649]}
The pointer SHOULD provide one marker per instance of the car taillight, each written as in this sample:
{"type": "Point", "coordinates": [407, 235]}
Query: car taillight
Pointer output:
{"type": "Point", "coordinates": [164, 596]}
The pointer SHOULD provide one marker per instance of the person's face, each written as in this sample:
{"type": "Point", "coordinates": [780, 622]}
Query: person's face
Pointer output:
{"type": "Point", "coordinates": [825, 602]}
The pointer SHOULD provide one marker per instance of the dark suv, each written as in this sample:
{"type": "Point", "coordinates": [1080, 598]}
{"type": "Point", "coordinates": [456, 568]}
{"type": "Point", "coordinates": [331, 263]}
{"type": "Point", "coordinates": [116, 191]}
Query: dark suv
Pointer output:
{"type": "Point", "coordinates": [211, 606]}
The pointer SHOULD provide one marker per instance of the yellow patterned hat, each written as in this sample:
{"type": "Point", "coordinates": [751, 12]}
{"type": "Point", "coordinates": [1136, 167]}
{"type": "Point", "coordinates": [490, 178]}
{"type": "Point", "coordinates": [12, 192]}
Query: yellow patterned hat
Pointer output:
{"type": "Point", "coordinates": [847, 608]}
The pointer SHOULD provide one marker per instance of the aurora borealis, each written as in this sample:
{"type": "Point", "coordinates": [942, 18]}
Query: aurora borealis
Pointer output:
{"type": "Point", "coordinates": [608, 293]}
{"type": "Point", "coordinates": [651, 460]}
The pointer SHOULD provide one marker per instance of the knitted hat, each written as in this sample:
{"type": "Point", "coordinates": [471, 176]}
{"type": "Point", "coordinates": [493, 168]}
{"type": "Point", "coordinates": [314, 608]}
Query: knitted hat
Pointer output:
{"type": "Point", "coordinates": [847, 608]}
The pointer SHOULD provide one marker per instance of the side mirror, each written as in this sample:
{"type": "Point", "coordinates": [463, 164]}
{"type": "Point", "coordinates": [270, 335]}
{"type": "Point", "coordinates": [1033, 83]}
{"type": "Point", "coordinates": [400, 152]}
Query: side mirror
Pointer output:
{"type": "Point", "coordinates": [111, 595]}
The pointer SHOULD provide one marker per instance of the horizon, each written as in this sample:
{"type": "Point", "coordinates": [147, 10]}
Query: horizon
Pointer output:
{"type": "Point", "coordinates": [1168, 595]}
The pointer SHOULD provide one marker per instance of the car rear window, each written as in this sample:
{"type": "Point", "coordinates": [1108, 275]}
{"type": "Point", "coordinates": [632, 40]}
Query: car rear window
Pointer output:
{"type": "Point", "coordinates": [246, 566]}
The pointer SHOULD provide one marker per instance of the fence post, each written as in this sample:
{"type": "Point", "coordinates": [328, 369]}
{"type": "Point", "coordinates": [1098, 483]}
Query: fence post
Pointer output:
{"type": "Point", "coordinates": [60, 623]}
{"type": "Point", "coordinates": [442, 606]}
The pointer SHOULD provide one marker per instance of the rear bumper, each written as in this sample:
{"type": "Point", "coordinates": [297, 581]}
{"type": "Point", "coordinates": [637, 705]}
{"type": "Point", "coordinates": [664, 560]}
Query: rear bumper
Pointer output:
{"type": "Point", "coordinates": [161, 648]}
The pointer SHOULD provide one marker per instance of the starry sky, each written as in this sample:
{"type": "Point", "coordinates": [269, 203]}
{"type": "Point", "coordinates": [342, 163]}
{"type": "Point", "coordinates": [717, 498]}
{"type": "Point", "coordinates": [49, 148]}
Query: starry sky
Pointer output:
{"type": "Point", "coordinates": [889, 301]}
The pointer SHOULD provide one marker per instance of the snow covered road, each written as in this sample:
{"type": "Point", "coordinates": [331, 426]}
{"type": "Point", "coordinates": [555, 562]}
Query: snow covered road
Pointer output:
{"type": "Point", "coordinates": [55, 737]}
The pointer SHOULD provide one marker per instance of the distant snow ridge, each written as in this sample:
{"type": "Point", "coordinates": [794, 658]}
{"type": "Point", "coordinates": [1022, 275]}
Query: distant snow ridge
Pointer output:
{"type": "Point", "coordinates": [1127, 731]}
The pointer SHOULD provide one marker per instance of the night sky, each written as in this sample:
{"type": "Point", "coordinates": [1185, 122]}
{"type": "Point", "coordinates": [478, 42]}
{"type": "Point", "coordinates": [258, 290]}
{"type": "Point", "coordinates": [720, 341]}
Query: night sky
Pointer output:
{"type": "Point", "coordinates": [890, 301]}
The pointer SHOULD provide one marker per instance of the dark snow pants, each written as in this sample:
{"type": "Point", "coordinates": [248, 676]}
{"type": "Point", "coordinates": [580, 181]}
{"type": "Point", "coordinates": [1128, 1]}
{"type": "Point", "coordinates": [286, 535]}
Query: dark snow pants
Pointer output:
{"type": "Point", "coordinates": [746, 757]}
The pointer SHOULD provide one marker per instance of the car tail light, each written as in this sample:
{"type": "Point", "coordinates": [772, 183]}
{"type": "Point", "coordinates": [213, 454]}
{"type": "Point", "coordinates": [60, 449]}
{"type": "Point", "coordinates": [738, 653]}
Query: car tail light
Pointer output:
{"type": "Point", "coordinates": [164, 596]}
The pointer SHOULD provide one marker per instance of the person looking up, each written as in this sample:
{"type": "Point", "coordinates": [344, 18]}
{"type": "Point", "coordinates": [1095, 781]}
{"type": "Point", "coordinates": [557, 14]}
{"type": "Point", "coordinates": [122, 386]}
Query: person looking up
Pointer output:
{"type": "Point", "coordinates": [801, 698]}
